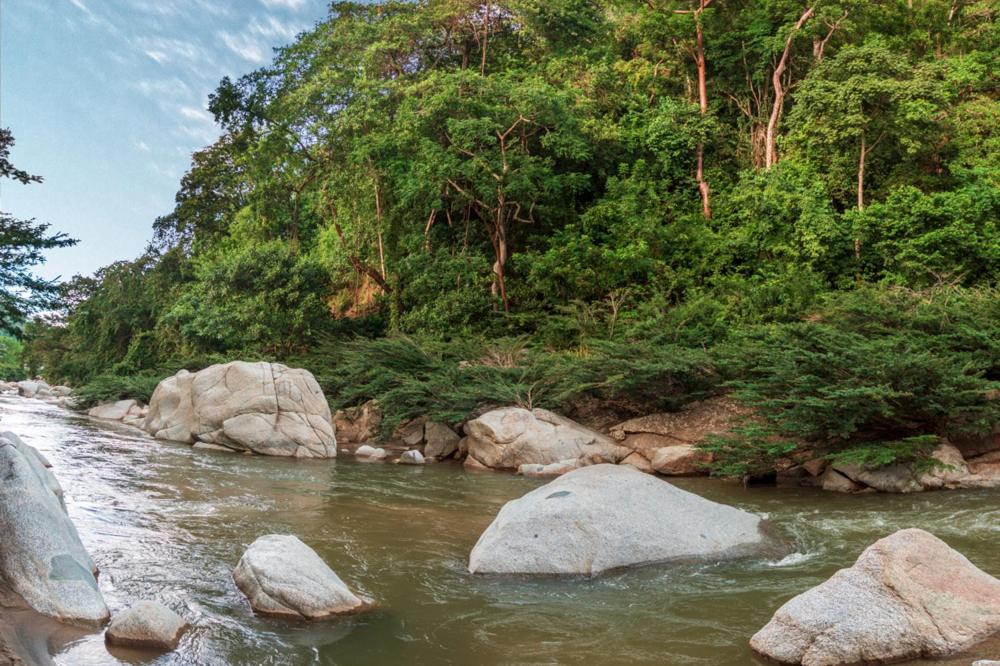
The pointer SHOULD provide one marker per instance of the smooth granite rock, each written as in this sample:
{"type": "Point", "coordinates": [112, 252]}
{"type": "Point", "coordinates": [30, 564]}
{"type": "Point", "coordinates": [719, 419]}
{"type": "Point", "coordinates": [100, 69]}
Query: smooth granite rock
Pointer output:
{"type": "Point", "coordinates": [282, 576]}
{"type": "Point", "coordinates": [43, 564]}
{"type": "Point", "coordinates": [411, 458]}
{"type": "Point", "coordinates": [114, 411]}
{"type": "Point", "coordinates": [510, 437]}
{"type": "Point", "coordinates": [907, 596]}
{"type": "Point", "coordinates": [606, 516]}
{"type": "Point", "coordinates": [265, 408]}
{"type": "Point", "coordinates": [368, 452]}
{"type": "Point", "coordinates": [147, 625]}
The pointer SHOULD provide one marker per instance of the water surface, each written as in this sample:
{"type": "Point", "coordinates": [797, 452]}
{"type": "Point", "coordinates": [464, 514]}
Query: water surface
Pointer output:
{"type": "Point", "coordinates": [168, 523]}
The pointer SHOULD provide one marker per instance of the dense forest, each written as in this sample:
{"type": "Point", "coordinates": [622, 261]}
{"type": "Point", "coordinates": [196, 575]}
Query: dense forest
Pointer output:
{"type": "Point", "coordinates": [591, 205]}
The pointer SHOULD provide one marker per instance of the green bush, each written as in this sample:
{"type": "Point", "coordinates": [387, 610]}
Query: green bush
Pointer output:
{"type": "Point", "coordinates": [875, 376]}
{"type": "Point", "coordinates": [448, 381]}
{"type": "Point", "coordinates": [110, 388]}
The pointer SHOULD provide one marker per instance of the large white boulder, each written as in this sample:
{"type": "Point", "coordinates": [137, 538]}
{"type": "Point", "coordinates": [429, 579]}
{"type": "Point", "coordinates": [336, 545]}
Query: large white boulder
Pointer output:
{"type": "Point", "coordinates": [43, 564]}
{"type": "Point", "coordinates": [281, 576]}
{"type": "Point", "coordinates": [605, 516]}
{"type": "Point", "coordinates": [510, 437]}
{"type": "Point", "coordinates": [265, 408]}
{"type": "Point", "coordinates": [146, 624]}
{"type": "Point", "coordinates": [907, 596]}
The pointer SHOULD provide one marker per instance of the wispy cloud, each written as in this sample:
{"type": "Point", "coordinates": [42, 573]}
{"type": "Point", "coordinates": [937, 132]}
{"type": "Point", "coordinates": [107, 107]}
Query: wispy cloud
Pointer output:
{"type": "Point", "coordinates": [287, 4]}
{"type": "Point", "coordinates": [245, 46]}
{"type": "Point", "coordinates": [142, 146]}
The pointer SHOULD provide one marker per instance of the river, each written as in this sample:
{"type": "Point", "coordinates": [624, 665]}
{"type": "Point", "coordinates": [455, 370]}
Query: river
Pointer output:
{"type": "Point", "coordinates": [168, 523]}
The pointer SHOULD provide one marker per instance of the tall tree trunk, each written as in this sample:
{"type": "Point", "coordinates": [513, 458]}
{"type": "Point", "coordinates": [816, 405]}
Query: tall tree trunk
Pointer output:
{"type": "Point", "coordinates": [771, 152]}
{"type": "Point", "coordinates": [293, 232]}
{"type": "Point", "coordinates": [378, 231]}
{"type": "Point", "coordinates": [706, 204]}
{"type": "Point", "coordinates": [862, 153]}
{"type": "Point", "coordinates": [486, 38]}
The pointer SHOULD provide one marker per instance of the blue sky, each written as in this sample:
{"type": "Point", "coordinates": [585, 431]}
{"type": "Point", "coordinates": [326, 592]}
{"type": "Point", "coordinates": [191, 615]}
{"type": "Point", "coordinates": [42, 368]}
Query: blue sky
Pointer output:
{"type": "Point", "coordinates": [106, 99]}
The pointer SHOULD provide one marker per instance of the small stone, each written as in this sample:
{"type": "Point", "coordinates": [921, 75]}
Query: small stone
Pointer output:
{"type": "Point", "coordinates": [681, 460]}
{"type": "Point", "coordinates": [368, 452]}
{"type": "Point", "coordinates": [115, 411]}
{"type": "Point", "coordinates": [147, 624]}
{"type": "Point", "coordinates": [815, 466]}
{"type": "Point", "coordinates": [639, 461]}
{"type": "Point", "coordinates": [836, 482]}
{"type": "Point", "coordinates": [413, 457]}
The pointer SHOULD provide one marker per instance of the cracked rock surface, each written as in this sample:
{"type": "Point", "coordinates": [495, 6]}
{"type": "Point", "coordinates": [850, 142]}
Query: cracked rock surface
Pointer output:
{"type": "Point", "coordinates": [265, 408]}
{"type": "Point", "coordinates": [908, 596]}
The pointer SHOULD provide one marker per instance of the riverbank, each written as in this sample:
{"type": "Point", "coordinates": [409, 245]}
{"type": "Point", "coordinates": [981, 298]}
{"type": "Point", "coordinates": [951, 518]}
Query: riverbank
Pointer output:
{"type": "Point", "coordinates": [168, 522]}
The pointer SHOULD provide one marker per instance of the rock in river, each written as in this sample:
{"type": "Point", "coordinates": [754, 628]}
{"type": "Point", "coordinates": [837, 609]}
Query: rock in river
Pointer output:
{"type": "Point", "coordinates": [114, 411]}
{"type": "Point", "coordinates": [605, 516]}
{"type": "Point", "coordinates": [907, 596]}
{"type": "Point", "coordinates": [510, 437]}
{"type": "Point", "coordinates": [265, 408]}
{"type": "Point", "coordinates": [282, 576]}
{"type": "Point", "coordinates": [43, 564]}
{"type": "Point", "coordinates": [147, 625]}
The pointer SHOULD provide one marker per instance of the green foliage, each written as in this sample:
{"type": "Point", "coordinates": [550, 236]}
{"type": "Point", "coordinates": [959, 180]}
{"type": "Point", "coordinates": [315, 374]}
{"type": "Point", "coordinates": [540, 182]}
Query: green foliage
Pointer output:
{"type": "Point", "coordinates": [11, 359]}
{"type": "Point", "coordinates": [110, 388]}
{"type": "Point", "coordinates": [449, 381]}
{"type": "Point", "coordinates": [514, 186]}
{"type": "Point", "coordinates": [22, 243]}
{"type": "Point", "coordinates": [873, 374]}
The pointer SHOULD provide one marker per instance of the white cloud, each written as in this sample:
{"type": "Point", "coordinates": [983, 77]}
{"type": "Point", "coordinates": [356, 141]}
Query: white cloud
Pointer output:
{"type": "Point", "coordinates": [194, 113]}
{"type": "Point", "coordinates": [80, 5]}
{"type": "Point", "coordinates": [245, 47]}
{"type": "Point", "coordinates": [287, 4]}
{"type": "Point", "coordinates": [273, 27]}
{"type": "Point", "coordinates": [142, 146]}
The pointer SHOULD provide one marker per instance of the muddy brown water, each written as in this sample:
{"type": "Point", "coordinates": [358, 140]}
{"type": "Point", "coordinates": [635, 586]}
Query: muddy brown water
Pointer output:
{"type": "Point", "coordinates": [167, 522]}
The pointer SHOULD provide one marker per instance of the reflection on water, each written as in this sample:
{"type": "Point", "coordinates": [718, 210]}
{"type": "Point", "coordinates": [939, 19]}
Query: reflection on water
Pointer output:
{"type": "Point", "coordinates": [166, 522]}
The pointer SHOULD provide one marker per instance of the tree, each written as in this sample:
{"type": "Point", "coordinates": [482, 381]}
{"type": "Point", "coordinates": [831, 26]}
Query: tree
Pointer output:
{"type": "Point", "coordinates": [22, 244]}
{"type": "Point", "coordinates": [865, 98]}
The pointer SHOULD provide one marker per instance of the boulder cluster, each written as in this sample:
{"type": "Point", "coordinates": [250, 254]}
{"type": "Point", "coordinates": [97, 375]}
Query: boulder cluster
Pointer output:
{"type": "Point", "coordinates": [908, 595]}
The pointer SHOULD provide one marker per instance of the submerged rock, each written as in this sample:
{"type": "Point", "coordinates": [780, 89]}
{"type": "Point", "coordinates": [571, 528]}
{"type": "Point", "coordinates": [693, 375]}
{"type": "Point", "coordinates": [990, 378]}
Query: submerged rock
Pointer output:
{"type": "Point", "coordinates": [43, 564]}
{"type": "Point", "coordinates": [265, 408]}
{"type": "Point", "coordinates": [147, 625]}
{"type": "Point", "coordinates": [280, 575]}
{"type": "Point", "coordinates": [907, 596]}
{"type": "Point", "coordinates": [510, 437]}
{"type": "Point", "coordinates": [605, 516]}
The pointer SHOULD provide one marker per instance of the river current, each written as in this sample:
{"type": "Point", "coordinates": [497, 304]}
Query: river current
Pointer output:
{"type": "Point", "coordinates": [167, 522]}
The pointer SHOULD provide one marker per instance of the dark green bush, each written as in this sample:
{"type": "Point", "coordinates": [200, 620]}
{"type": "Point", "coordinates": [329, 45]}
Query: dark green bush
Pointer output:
{"type": "Point", "coordinates": [873, 377]}
{"type": "Point", "coordinates": [110, 388]}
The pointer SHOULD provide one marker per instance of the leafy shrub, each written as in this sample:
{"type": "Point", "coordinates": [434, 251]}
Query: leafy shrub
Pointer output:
{"type": "Point", "coordinates": [872, 377]}
{"type": "Point", "coordinates": [110, 388]}
{"type": "Point", "coordinates": [448, 381]}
